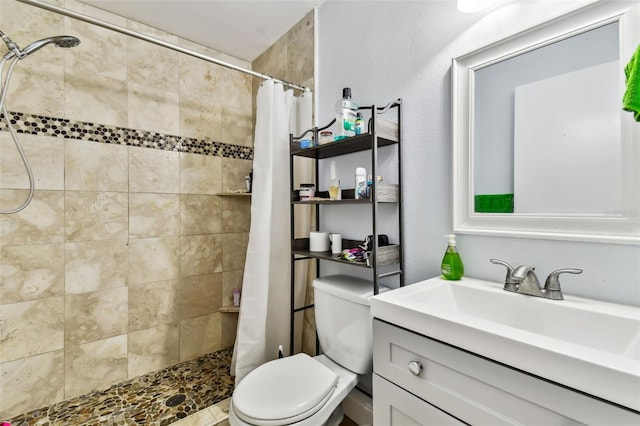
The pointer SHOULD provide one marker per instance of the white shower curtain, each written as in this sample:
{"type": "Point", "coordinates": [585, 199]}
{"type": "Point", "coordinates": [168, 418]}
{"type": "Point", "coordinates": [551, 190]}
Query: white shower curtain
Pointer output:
{"type": "Point", "coordinates": [263, 323]}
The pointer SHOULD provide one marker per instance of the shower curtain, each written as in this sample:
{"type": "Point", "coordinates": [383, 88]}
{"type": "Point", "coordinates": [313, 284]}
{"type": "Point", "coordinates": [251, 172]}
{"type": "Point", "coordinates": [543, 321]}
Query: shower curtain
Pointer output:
{"type": "Point", "coordinates": [263, 322]}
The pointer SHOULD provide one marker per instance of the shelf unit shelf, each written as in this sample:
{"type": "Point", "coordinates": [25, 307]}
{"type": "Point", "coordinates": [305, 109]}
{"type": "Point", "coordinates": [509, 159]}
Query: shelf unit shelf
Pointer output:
{"type": "Point", "coordinates": [345, 146]}
{"type": "Point", "coordinates": [338, 202]}
{"type": "Point", "coordinates": [387, 254]}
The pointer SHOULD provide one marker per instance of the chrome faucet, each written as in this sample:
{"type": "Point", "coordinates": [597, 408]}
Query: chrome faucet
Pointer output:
{"type": "Point", "coordinates": [526, 281]}
{"type": "Point", "coordinates": [523, 280]}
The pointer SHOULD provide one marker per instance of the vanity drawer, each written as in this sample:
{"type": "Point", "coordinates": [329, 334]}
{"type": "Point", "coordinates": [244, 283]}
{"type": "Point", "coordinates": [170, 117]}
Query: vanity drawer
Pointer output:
{"type": "Point", "coordinates": [396, 407]}
{"type": "Point", "coordinates": [480, 391]}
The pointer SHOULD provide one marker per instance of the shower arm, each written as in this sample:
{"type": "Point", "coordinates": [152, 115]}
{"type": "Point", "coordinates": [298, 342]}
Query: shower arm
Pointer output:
{"type": "Point", "coordinates": [126, 31]}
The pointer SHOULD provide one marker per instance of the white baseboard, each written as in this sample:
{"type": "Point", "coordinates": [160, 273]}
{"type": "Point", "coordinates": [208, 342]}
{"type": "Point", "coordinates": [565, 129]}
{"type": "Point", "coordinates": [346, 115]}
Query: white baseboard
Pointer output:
{"type": "Point", "coordinates": [358, 407]}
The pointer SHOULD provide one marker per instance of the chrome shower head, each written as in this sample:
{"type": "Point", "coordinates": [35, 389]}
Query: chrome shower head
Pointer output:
{"type": "Point", "coordinates": [60, 41]}
{"type": "Point", "coordinates": [66, 41]}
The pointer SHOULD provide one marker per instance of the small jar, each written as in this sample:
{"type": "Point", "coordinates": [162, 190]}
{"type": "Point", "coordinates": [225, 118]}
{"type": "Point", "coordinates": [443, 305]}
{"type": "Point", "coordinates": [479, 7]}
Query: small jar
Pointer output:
{"type": "Point", "coordinates": [326, 136]}
{"type": "Point", "coordinates": [307, 191]}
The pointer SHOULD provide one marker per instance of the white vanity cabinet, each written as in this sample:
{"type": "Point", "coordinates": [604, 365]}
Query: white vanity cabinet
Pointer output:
{"type": "Point", "coordinates": [422, 381]}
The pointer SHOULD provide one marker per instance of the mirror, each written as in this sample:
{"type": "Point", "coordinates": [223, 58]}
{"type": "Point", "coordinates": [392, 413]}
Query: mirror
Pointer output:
{"type": "Point", "coordinates": [542, 147]}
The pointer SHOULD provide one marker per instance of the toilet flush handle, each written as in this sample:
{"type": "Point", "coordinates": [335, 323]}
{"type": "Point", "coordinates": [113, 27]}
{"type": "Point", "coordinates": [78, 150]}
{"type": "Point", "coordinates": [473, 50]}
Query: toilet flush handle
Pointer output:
{"type": "Point", "coordinates": [415, 367]}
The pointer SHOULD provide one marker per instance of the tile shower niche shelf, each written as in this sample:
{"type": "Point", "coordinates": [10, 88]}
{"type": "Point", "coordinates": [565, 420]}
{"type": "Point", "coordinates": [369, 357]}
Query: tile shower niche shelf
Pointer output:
{"type": "Point", "coordinates": [233, 194]}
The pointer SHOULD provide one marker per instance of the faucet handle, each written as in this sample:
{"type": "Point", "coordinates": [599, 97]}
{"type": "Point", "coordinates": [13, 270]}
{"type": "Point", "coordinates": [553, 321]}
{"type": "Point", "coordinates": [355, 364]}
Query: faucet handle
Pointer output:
{"type": "Point", "coordinates": [509, 284]}
{"type": "Point", "coordinates": [552, 284]}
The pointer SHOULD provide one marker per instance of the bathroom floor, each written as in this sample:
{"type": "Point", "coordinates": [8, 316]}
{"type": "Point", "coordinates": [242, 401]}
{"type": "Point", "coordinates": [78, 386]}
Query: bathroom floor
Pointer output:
{"type": "Point", "coordinates": [200, 387]}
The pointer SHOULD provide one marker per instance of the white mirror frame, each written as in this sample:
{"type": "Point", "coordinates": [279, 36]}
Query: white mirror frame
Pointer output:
{"type": "Point", "coordinates": [620, 227]}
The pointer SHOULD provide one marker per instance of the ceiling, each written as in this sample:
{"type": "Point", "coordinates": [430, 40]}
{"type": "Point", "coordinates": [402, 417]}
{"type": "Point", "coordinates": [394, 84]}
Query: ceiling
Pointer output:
{"type": "Point", "coordinates": [241, 28]}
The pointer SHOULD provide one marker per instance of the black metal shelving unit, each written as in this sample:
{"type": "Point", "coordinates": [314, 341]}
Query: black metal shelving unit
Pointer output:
{"type": "Point", "coordinates": [389, 256]}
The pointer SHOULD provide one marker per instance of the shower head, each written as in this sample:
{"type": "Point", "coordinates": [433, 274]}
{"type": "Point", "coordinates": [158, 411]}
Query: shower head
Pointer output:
{"type": "Point", "coordinates": [60, 41]}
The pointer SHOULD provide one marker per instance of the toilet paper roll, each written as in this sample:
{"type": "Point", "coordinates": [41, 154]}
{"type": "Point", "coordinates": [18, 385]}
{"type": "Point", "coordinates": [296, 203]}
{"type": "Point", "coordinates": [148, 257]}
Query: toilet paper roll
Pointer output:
{"type": "Point", "coordinates": [318, 241]}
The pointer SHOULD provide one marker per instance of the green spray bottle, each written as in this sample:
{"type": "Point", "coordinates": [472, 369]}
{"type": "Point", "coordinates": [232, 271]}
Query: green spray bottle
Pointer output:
{"type": "Point", "coordinates": [452, 267]}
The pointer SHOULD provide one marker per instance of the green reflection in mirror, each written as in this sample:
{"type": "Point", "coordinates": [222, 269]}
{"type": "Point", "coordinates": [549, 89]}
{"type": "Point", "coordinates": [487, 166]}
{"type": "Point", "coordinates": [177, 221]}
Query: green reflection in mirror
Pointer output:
{"type": "Point", "coordinates": [493, 203]}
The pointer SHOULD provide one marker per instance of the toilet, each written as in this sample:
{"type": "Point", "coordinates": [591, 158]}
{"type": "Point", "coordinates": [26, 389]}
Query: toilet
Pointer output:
{"type": "Point", "coordinates": [308, 391]}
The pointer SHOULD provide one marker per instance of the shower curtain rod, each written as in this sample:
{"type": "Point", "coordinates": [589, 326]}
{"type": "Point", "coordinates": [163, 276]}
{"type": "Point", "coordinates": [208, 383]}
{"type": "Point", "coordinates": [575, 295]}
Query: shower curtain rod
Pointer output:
{"type": "Point", "coordinates": [107, 25]}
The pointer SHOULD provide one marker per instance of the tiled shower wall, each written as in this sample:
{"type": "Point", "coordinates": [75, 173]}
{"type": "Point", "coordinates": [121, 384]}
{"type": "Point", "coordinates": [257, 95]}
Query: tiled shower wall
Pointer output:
{"type": "Point", "coordinates": [122, 261]}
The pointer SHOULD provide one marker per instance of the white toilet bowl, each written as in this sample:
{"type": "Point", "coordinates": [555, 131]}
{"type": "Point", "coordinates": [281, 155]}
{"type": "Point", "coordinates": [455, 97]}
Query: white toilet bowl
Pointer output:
{"type": "Point", "coordinates": [297, 390]}
{"type": "Point", "coordinates": [304, 391]}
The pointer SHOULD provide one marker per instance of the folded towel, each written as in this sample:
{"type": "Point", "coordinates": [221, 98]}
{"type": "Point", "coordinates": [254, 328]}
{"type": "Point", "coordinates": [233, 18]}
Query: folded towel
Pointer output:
{"type": "Point", "coordinates": [631, 98]}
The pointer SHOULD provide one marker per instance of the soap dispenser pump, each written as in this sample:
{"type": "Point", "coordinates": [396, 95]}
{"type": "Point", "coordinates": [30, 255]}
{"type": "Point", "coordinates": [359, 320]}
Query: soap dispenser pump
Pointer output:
{"type": "Point", "coordinates": [452, 267]}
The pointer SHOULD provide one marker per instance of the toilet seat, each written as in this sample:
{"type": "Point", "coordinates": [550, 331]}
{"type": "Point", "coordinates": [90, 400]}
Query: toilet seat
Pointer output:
{"type": "Point", "coordinates": [284, 391]}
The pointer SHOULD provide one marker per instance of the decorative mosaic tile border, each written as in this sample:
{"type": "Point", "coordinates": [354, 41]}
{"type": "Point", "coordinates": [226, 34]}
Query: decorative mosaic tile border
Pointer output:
{"type": "Point", "coordinates": [81, 130]}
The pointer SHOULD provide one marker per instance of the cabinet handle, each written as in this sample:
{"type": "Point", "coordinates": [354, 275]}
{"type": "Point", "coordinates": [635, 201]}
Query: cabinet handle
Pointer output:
{"type": "Point", "coordinates": [415, 367]}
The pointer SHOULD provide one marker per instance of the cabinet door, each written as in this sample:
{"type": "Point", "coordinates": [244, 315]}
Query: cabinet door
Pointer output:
{"type": "Point", "coordinates": [393, 406]}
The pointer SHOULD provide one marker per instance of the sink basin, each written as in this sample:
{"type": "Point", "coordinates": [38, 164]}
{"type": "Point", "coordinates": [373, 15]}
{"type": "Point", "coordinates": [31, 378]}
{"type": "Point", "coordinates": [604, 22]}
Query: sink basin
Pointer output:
{"type": "Point", "coordinates": [588, 345]}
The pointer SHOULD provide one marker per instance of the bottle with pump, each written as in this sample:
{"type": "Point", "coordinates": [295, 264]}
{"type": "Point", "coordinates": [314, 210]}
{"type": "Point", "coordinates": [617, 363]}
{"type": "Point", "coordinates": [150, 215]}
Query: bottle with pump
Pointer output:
{"type": "Point", "coordinates": [346, 114]}
{"type": "Point", "coordinates": [452, 267]}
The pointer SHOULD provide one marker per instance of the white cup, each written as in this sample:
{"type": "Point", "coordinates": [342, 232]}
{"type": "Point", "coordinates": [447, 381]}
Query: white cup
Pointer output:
{"type": "Point", "coordinates": [318, 241]}
{"type": "Point", "coordinates": [336, 243]}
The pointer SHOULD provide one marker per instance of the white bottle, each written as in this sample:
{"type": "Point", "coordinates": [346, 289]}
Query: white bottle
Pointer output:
{"type": "Point", "coordinates": [346, 114]}
{"type": "Point", "coordinates": [361, 183]}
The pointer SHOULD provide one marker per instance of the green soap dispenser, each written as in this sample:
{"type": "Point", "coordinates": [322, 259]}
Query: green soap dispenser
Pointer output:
{"type": "Point", "coordinates": [452, 267]}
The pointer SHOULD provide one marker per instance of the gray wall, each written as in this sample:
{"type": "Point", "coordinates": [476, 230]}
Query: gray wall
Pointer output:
{"type": "Point", "coordinates": [386, 50]}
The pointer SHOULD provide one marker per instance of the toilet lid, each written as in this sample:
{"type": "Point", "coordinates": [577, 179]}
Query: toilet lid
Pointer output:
{"type": "Point", "coordinates": [291, 388]}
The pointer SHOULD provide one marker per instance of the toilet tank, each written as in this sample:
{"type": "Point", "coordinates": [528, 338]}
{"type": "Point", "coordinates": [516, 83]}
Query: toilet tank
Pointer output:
{"type": "Point", "coordinates": [343, 320]}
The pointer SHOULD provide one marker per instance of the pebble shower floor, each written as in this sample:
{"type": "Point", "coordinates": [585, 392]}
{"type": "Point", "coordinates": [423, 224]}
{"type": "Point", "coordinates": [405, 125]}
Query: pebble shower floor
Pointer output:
{"type": "Point", "coordinates": [156, 399]}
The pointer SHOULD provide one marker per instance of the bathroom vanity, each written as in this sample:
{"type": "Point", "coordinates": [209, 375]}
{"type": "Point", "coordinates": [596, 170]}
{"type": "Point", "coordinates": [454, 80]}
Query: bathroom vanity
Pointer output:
{"type": "Point", "coordinates": [469, 352]}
